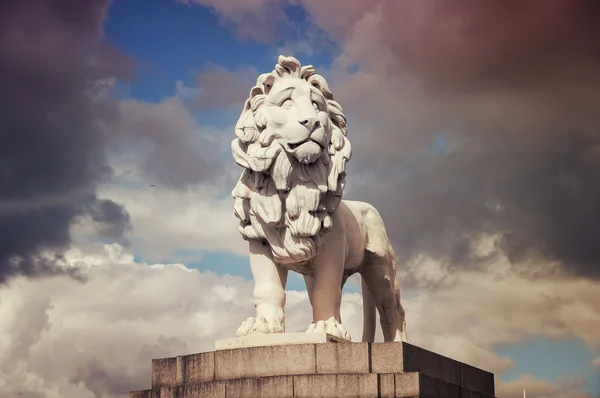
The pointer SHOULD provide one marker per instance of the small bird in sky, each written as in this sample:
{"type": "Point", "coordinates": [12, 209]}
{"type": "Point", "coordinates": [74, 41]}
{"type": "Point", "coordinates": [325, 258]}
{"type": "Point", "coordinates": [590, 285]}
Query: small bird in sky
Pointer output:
{"type": "Point", "coordinates": [152, 185]}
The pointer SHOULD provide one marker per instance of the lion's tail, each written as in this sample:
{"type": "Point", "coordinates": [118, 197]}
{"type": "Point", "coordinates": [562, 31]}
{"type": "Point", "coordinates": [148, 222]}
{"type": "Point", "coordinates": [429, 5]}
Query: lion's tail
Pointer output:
{"type": "Point", "coordinates": [369, 320]}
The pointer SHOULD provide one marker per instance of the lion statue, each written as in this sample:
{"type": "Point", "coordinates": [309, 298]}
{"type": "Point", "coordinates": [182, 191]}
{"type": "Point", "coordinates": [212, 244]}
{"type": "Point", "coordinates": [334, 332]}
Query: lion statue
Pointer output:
{"type": "Point", "coordinates": [291, 142]}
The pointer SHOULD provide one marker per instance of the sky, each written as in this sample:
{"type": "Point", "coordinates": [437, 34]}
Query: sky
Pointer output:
{"type": "Point", "coordinates": [475, 132]}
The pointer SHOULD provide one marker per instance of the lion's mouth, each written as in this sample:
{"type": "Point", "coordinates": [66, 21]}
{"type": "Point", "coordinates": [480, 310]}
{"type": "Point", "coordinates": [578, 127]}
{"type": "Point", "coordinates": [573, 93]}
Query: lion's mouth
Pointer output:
{"type": "Point", "coordinates": [293, 146]}
{"type": "Point", "coordinates": [306, 151]}
{"type": "Point", "coordinates": [296, 145]}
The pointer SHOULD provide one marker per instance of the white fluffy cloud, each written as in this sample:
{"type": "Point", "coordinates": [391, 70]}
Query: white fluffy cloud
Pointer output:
{"type": "Point", "coordinates": [65, 338]}
{"type": "Point", "coordinates": [174, 178]}
{"type": "Point", "coordinates": [165, 220]}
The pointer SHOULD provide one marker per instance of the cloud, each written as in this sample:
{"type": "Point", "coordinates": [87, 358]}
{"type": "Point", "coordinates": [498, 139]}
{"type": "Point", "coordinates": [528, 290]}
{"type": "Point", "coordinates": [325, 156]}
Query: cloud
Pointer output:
{"type": "Point", "coordinates": [165, 221]}
{"type": "Point", "coordinates": [174, 178]}
{"type": "Point", "coordinates": [63, 130]}
{"type": "Point", "coordinates": [222, 88]}
{"type": "Point", "coordinates": [511, 189]}
{"type": "Point", "coordinates": [51, 157]}
{"type": "Point", "coordinates": [258, 20]}
{"type": "Point", "coordinates": [165, 139]}
{"type": "Point", "coordinates": [126, 318]}
{"type": "Point", "coordinates": [109, 328]}
{"type": "Point", "coordinates": [568, 387]}
{"type": "Point", "coordinates": [554, 308]}
{"type": "Point", "coordinates": [482, 118]}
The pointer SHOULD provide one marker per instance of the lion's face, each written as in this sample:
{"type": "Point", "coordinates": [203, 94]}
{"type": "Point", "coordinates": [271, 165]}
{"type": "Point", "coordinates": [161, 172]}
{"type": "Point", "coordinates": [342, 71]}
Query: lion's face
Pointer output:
{"type": "Point", "coordinates": [297, 117]}
{"type": "Point", "coordinates": [291, 142]}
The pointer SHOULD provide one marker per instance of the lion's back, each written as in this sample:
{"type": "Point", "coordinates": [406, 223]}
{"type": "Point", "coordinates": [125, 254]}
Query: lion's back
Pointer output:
{"type": "Point", "coordinates": [371, 227]}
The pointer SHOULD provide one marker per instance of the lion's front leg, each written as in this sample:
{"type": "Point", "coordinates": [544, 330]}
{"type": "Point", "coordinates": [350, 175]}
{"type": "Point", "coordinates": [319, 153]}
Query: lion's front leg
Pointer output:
{"type": "Point", "coordinates": [326, 288]}
{"type": "Point", "coordinates": [269, 293]}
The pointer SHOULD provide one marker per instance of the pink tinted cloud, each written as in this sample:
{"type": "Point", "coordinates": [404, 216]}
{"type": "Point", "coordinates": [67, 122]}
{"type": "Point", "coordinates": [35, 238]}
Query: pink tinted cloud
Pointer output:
{"type": "Point", "coordinates": [221, 88]}
{"type": "Point", "coordinates": [257, 20]}
{"type": "Point", "coordinates": [512, 86]}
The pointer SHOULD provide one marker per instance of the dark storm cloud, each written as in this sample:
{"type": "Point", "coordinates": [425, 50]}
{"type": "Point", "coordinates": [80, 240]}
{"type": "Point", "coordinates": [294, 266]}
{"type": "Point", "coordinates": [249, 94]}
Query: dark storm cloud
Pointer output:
{"type": "Point", "coordinates": [483, 117]}
{"type": "Point", "coordinates": [51, 152]}
{"type": "Point", "coordinates": [511, 92]}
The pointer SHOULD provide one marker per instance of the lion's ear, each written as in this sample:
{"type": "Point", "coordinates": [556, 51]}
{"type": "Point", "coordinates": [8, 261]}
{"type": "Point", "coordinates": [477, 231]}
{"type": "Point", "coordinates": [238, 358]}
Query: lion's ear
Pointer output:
{"type": "Point", "coordinates": [255, 91]}
{"type": "Point", "coordinates": [268, 84]}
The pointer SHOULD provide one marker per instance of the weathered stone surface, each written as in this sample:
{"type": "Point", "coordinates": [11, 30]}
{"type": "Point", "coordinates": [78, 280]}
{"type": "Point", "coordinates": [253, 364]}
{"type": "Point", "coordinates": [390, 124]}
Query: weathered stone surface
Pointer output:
{"type": "Point", "coordinates": [336, 385]}
{"type": "Point", "coordinates": [393, 358]}
{"type": "Point", "coordinates": [264, 387]}
{"type": "Point", "coordinates": [477, 380]}
{"type": "Point", "coordinates": [141, 394]}
{"type": "Point", "coordinates": [211, 389]}
{"type": "Point", "coordinates": [263, 340]}
{"type": "Point", "coordinates": [387, 385]}
{"type": "Point", "coordinates": [322, 369]}
{"type": "Point", "coordinates": [187, 369]}
{"type": "Point", "coordinates": [164, 372]}
{"type": "Point", "coordinates": [265, 361]}
{"type": "Point", "coordinates": [400, 385]}
{"type": "Point", "coordinates": [413, 384]}
{"type": "Point", "coordinates": [342, 358]}
{"type": "Point", "coordinates": [403, 357]}
{"type": "Point", "coordinates": [198, 368]}
{"type": "Point", "coordinates": [451, 371]}
{"type": "Point", "coordinates": [407, 385]}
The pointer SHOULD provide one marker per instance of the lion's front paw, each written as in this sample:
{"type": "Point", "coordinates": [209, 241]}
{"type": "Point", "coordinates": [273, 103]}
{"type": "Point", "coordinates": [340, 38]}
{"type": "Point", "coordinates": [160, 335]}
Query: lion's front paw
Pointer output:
{"type": "Point", "coordinates": [260, 325]}
{"type": "Point", "coordinates": [330, 326]}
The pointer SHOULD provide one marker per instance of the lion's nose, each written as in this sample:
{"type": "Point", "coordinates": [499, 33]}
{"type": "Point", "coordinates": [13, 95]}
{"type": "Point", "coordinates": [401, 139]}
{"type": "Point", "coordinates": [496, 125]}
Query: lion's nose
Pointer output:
{"type": "Point", "coordinates": [310, 123]}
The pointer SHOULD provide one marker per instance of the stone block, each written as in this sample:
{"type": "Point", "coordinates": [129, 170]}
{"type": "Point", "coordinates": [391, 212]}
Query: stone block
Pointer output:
{"type": "Point", "coordinates": [212, 389]}
{"type": "Point", "coordinates": [429, 387]}
{"type": "Point", "coordinates": [165, 392]}
{"type": "Point", "coordinates": [187, 369]}
{"type": "Point", "coordinates": [198, 368]}
{"type": "Point", "coordinates": [430, 363]}
{"type": "Point", "coordinates": [329, 370]}
{"type": "Point", "coordinates": [413, 384]}
{"type": "Point", "coordinates": [387, 385]}
{"type": "Point", "coordinates": [342, 358]}
{"type": "Point", "coordinates": [264, 340]}
{"type": "Point", "coordinates": [336, 385]}
{"type": "Point", "coordinates": [407, 385]}
{"type": "Point", "coordinates": [451, 371]}
{"type": "Point", "coordinates": [448, 390]}
{"type": "Point", "coordinates": [266, 387]}
{"type": "Point", "coordinates": [478, 380]}
{"type": "Point", "coordinates": [393, 358]}
{"type": "Point", "coordinates": [265, 361]}
{"type": "Point", "coordinates": [164, 372]}
{"type": "Point", "coordinates": [140, 394]}
{"type": "Point", "coordinates": [403, 357]}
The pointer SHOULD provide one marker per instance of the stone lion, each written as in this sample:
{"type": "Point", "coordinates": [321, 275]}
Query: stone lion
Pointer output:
{"type": "Point", "coordinates": [291, 142]}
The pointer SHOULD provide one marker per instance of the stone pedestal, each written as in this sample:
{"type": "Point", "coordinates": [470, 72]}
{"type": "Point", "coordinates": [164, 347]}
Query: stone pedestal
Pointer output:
{"type": "Point", "coordinates": [325, 367]}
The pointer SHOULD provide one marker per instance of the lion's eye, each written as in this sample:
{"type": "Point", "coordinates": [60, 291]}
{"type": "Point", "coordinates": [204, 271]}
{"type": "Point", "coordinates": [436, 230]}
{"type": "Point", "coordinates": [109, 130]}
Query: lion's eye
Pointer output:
{"type": "Point", "coordinates": [315, 105]}
{"type": "Point", "coordinates": [286, 103]}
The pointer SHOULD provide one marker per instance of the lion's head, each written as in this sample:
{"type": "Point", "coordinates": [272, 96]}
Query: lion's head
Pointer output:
{"type": "Point", "coordinates": [291, 141]}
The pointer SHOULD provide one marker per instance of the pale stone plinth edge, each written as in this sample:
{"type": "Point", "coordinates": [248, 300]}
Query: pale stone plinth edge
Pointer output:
{"type": "Point", "coordinates": [262, 340]}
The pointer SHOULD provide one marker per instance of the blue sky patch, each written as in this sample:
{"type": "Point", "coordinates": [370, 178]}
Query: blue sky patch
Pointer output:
{"type": "Point", "coordinates": [562, 358]}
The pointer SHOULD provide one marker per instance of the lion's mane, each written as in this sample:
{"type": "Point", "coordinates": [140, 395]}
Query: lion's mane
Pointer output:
{"type": "Point", "coordinates": [277, 198]}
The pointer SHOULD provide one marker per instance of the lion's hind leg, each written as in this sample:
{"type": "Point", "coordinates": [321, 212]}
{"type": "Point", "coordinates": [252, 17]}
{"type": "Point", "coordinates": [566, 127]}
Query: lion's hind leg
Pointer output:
{"type": "Point", "coordinates": [379, 276]}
